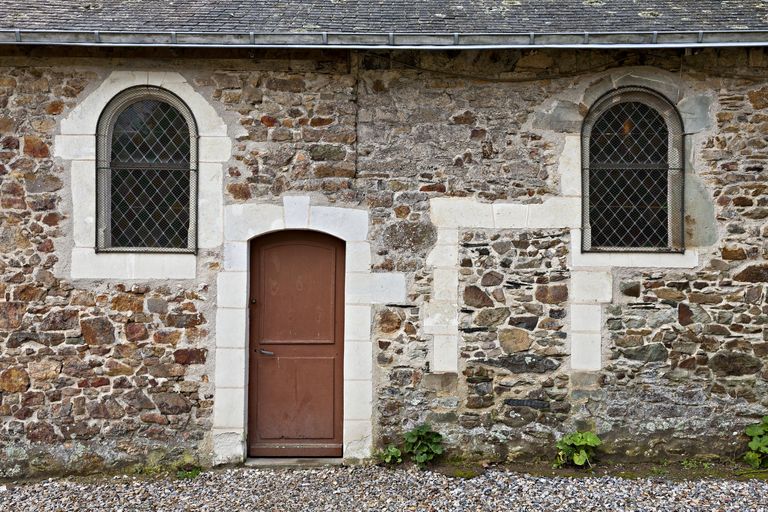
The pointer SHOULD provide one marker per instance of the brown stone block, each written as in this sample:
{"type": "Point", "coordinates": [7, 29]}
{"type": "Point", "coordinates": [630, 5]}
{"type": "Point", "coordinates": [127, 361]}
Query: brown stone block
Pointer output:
{"type": "Point", "coordinates": [554, 294]}
{"type": "Point", "coordinates": [389, 321]}
{"type": "Point", "coordinates": [128, 302]}
{"type": "Point", "coordinates": [171, 403]}
{"type": "Point", "coordinates": [14, 380]}
{"type": "Point", "coordinates": [35, 147]}
{"type": "Point", "coordinates": [115, 368]}
{"type": "Point", "coordinates": [294, 84]}
{"type": "Point", "coordinates": [41, 432]}
{"type": "Point", "coordinates": [753, 274]}
{"type": "Point", "coordinates": [190, 355]}
{"type": "Point", "coordinates": [183, 320]}
{"type": "Point", "coordinates": [491, 317]}
{"type": "Point", "coordinates": [704, 298]}
{"type": "Point", "coordinates": [476, 298]}
{"type": "Point", "coordinates": [136, 332]}
{"type": "Point", "coordinates": [726, 363]}
{"type": "Point", "coordinates": [61, 320]}
{"type": "Point", "coordinates": [97, 331]}
{"type": "Point", "coordinates": [44, 370]}
{"type": "Point", "coordinates": [514, 340]}
{"type": "Point", "coordinates": [167, 337]}
{"type": "Point", "coordinates": [93, 382]}
{"type": "Point", "coordinates": [11, 315]}
{"type": "Point", "coordinates": [239, 191]}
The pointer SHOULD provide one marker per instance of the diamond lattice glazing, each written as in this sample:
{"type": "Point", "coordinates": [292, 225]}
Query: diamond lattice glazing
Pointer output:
{"type": "Point", "coordinates": [628, 178]}
{"type": "Point", "coordinates": [150, 132]}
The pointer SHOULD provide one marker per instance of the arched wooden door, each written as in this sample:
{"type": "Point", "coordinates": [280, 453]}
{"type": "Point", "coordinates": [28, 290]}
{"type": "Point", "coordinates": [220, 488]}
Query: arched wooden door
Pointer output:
{"type": "Point", "coordinates": [296, 345]}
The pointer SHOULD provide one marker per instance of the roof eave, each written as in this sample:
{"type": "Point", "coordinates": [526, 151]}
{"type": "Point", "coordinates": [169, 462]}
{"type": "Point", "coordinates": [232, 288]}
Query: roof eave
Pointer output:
{"type": "Point", "coordinates": [390, 40]}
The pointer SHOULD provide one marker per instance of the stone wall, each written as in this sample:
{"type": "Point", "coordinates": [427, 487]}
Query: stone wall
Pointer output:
{"type": "Point", "coordinates": [92, 375]}
{"type": "Point", "coordinates": [104, 373]}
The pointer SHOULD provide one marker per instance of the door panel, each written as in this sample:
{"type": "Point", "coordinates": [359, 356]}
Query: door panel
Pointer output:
{"type": "Point", "coordinates": [298, 292]}
{"type": "Point", "coordinates": [296, 345]}
{"type": "Point", "coordinates": [303, 410]}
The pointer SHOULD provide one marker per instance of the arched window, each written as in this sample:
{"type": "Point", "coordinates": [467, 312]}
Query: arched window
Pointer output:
{"type": "Point", "coordinates": [632, 172]}
{"type": "Point", "coordinates": [146, 174]}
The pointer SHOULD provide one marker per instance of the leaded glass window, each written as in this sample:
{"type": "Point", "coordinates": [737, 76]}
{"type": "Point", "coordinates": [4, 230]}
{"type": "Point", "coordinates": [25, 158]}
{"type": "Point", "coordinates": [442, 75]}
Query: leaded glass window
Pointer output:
{"type": "Point", "coordinates": [633, 176]}
{"type": "Point", "coordinates": [146, 174]}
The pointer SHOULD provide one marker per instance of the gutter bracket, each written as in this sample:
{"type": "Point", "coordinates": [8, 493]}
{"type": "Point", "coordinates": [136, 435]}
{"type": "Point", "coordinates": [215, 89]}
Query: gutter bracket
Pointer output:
{"type": "Point", "coordinates": [18, 35]}
{"type": "Point", "coordinates": [701, 36]}
{"type": "Point", "coordinates": [654, 37]}
{"type": "Point", "coordinates": [586, 37]}
{"type": "Point", "coordinates": [456, 38]}
{"type": "Point", "coordinates": [325, 37]}
{"type": "Point", "coordinates": [531, 38]}
{"type": "Point", "coordinates": [173, 37]}
{"type": "Point", "coordinates": [97, 36]}
{"type": "Point", "coordinates": [391, 36]}
{"type": "Point", "coordinates": [252, 37]}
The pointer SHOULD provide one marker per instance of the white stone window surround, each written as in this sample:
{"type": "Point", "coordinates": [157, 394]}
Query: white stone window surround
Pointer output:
{"type": "Point", "coordinates": [76, 145]}
{"type": "Point", "coordinates": [591, 273]}
{"type": "Point", "coordinates": [363, 289]}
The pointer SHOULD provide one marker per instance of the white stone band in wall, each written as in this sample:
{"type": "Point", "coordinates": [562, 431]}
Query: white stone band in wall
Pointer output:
{"type": "Point", "coordinates": [591, 273]}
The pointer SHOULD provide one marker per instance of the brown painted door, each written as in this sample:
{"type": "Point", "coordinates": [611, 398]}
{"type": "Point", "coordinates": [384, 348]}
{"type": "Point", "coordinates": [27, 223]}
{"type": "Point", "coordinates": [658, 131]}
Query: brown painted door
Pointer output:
{"type": "Point", "coordinates": [296, 345]}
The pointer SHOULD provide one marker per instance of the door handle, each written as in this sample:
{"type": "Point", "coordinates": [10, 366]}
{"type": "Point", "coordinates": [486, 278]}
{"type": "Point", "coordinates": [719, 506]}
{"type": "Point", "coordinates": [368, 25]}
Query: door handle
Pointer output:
{"type": "Point", "coordinates": [266, 352]}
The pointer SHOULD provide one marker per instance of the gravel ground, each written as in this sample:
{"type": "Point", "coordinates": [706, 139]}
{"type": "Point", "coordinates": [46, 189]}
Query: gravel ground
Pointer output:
{"type": "Point", "coordinates": [376, 489]}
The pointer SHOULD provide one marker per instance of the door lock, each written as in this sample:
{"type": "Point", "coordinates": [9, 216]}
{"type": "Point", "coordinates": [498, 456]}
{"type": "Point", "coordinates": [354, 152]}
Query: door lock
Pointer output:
{"type": "Point", "coordinates": [266, 352]}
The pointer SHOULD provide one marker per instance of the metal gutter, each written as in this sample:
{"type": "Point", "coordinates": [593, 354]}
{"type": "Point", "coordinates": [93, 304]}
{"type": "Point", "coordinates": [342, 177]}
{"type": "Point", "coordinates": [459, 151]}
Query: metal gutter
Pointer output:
{"type": "Point", "coordinates": [388, 40]}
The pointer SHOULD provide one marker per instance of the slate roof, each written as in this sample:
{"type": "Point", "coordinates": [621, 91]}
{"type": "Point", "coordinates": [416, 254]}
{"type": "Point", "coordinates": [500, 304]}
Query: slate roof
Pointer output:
{"type": "Point", "coordinates": [385, 16]}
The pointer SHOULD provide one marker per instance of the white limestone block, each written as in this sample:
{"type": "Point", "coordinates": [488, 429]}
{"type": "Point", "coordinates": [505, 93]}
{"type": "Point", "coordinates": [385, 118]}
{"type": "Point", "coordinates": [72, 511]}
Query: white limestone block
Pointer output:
{"type": "Point", "coordinates": [443, 255]}
{"type": "Point", "coordinates": [357, 439]}
{"type": "Point", "coordinates": [358, 396]}
{"type": "Point", "coordinates": [245, 221]}
{"type": "Point", "coordinates": [358, 257]}
{"type": "Point", "coordinates": [231, 327]}
{"type": "Point", "coordinates": [688, 259]}
{"type": "Point", "coordinates": [232, 289]}
{"type": "Point", "coordinates": [229, 408]}
{"type": "Point", "coordinates": [358, 360]}
{"type": "Point", "coordinates": [75, 147]}
{"type": "Point", "coordinates": [83, 179]}
{"type": "Point", "coordinates": [440, 317]}
{"type": "Point", "coordinates": [345, 223]}
{"type": "Point", "coordinates": [210, 202]}
{"type": "Point", "coordinates": [455, 212]}
{"type": "Point", "coordinates": [569, 167]}
{"type": "Point", "coordinates": [230, 367]}
{"type": "Point", "coordinates": [87, 264]}
{"type": "Point", "coordinates": [509, 215]}
{"type": "Point", "coordinates": [445, 353]}
{"type": "Point", "coordinates": [586, 317]}
{"type": "Point", "coordinates": [555, 212]}
{"type": "Point", "coordinates": [445, 284]}
{"type": "Point", "coordinates": [387, 287]}
{"type": "Point", "coordinates": [228, 446]}
{"type": "Point", "coordinates": [357, 322]}
{"type": "Point", "coordinates": [591, 286]}
{"type": "Point", "coordinates": [215, 149]}
{"type": "Point", "coordinates": [236, 256]}
{"type": "Point", "coordinates": [586, 351]}
{"type": "Point", "coordinates": [296, 210]}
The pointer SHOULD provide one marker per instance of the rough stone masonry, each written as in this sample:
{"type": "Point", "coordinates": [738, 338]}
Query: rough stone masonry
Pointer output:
{"type": "Point", "coordinates": [106, 373]}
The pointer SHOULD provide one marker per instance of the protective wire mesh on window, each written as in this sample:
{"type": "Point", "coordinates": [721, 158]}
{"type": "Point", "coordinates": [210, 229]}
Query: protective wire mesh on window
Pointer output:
{"type": "Point", "coordinates": [633, 195]}
{"type": "Point", "coordinates": [146, 177]}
